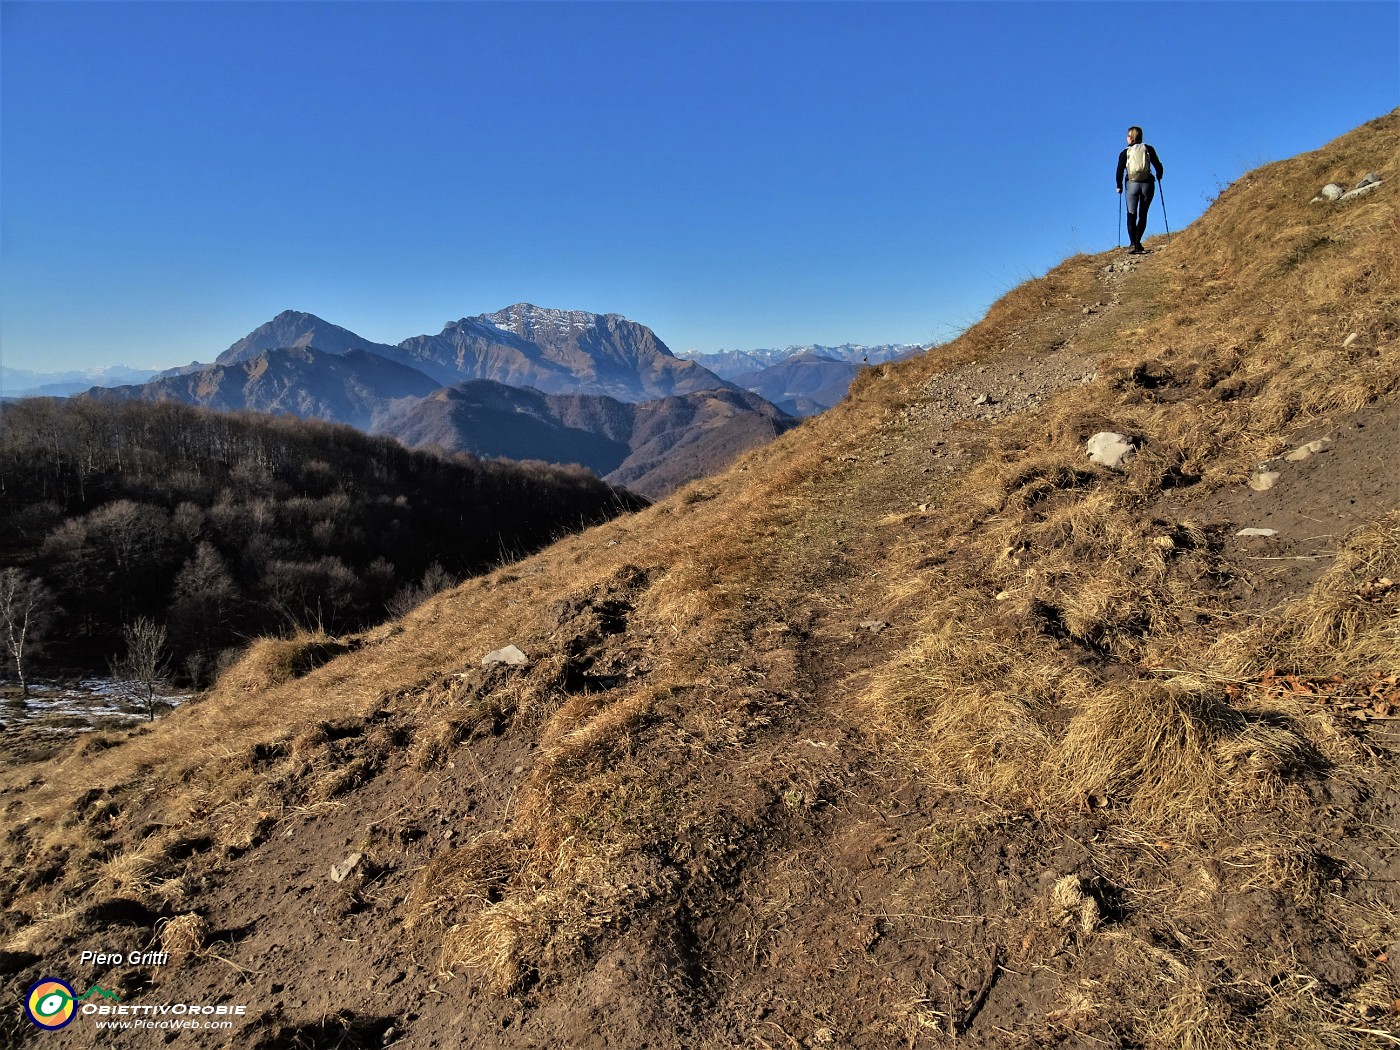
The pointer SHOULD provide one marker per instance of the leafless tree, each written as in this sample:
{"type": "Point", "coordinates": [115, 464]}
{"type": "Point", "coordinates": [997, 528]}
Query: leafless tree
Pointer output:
{"type": "Point", "coordinates": [26, 611]}
{"type": "Point", "coordinates": [435, 579]}
{"type": "Point", "coordinates": [144, 667]}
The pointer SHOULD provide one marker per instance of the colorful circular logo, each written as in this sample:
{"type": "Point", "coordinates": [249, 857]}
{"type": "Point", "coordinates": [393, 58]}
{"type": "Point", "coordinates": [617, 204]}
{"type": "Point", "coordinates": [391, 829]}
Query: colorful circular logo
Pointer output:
{"type": "Point", "coordinates": [51, 1004]}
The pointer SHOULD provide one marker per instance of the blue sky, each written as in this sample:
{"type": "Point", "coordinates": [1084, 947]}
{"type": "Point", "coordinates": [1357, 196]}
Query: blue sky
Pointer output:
{"type": "Point", "coordinates": [734, 175]}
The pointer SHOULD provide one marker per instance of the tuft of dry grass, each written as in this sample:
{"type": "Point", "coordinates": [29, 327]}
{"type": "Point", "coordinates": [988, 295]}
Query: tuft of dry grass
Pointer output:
{"type": "Point", "coordinates": [969, 711]}
{"type": "Point", "coordinates": [132, 873]}
{"type": "Point", "coordinates": [1348, 623]}
{"type": "Point", "coordinates": [1174, 754]}
{"type": "Point", "coordinates": [273, 661]}
{"type": "Point", "coordinates": [467, 877]}
{"type": "Point", "coordinates": [184, 935]}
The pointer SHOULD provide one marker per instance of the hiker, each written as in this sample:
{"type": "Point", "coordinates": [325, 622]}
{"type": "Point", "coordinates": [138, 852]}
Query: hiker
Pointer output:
{"type": "Point", "coordinates": [1137, 163]}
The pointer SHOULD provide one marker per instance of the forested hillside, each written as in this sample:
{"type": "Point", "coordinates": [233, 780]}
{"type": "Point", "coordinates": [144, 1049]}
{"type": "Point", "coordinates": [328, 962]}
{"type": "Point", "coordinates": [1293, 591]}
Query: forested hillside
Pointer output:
{"type": "Point", "coordinates": [226, 526]}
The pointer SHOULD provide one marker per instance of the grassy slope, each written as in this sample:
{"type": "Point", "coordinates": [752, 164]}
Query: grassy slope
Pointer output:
{"type": "Point", "coordinates": [1045, 802]}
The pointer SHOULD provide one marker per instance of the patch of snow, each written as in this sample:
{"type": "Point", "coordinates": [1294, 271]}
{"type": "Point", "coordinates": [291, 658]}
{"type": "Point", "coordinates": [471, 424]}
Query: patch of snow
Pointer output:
{"type": "Point", "coordinates": [89, 700]}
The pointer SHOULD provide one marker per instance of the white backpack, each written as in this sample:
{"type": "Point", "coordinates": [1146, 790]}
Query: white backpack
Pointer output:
{"type": "Point", "coordinates": [1137, 163]}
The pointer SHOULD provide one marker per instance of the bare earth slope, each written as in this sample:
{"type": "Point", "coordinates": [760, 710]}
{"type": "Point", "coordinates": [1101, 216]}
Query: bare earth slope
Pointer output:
{"type": "Point", "coordinates": [914, 728]}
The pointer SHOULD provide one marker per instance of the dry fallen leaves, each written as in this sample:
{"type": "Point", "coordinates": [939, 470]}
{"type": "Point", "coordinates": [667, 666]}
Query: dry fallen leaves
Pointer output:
{"type": "Point", "coordinates": [1375, 588]}
{"type": "Point", "coordinates": [1375, 696]}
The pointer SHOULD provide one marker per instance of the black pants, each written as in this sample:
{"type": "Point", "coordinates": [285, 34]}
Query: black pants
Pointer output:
{"type": "Point", "coordinates": [1137, 198]}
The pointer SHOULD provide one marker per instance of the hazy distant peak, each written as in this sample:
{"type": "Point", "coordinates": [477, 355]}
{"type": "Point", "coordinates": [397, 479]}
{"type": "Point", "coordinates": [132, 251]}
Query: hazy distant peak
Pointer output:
{"type": "Point", "coordinates": [294, 329]}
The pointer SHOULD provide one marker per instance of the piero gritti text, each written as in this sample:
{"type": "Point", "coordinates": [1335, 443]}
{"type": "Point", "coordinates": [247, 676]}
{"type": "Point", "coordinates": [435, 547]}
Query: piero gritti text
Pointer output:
{"type": "Point", "coordinates": [89, 958]}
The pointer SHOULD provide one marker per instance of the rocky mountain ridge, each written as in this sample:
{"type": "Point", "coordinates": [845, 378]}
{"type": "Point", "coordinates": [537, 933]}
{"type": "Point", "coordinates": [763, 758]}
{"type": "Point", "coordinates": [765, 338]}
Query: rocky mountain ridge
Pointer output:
{"type": "Point", "coordinates": [556, 351]}
{"type": "Point", "coordinates": [352, 386]}
{"type": "Point", "coordinates": [801, 380]}
{"type": "Point", "coordinates": [650, 446]}
{"type": "Point", "coordinates": [686, 421]}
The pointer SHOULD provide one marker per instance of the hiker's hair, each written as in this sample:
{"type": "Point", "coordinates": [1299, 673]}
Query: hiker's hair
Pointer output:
{"type": "Point", "coordinates": [1136, 130]}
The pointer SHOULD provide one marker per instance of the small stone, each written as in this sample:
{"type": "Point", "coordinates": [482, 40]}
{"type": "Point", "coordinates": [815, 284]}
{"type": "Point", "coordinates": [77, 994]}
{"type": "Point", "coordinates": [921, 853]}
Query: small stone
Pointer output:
{"type": "Point", "coordinates": [1257, 532]}
{"type": "Point", "coordinates": [874, 626]}
{"type": "Point", "coordinates": [1351, 340]}
{"type": "Point", "coordinates": [1264, 480]}
{"type": "Point", "coordinates": [340, 872]}
{"type": "Point", "coordinates": [1109, 449]}
{"type": "Point", "coordinates": [1360, 191]}
{"type": "Point", "coordinates": [1312, 448]}
{"type": "Point", "coordinates": [1330, 192]}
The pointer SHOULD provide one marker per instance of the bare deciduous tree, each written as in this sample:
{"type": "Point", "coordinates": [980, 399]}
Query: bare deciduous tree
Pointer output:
{"type": "Point", "coordinates": [144, 667]}
{"type": "Point", "coordinates": [26, 611]}
{"type": "Point", "coordinates": [435, 579]}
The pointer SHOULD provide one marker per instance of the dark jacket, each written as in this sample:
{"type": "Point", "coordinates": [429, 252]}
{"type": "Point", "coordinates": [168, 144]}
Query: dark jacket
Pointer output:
{"type": "Point", "coordinates": [1152, 162]}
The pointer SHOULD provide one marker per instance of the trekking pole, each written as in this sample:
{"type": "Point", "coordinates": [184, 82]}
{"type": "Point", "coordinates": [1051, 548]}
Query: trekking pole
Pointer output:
{"type": "Point", "coordinates": [1165, 223]}
{"type": "Point", "coordinates": [1120, 218]}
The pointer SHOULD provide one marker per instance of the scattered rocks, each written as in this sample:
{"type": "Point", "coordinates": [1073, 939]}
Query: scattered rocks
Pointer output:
{"type": "Point", "coordinates": [974, 392]}
{"type": "Point", "coordinates": [510, 656]}
{"type": "Point", "coordinates": [1110, 449]}
{"type": "Point", "coordinates": [1365, 186]}
{"type": "Point", "coordinates": [1335, 193]}
{"type": "Point", "coordinates": [1115, 270]}
{"type": "Point", "coordinates": [1312, 448]}
{"type": "Point", "coordinates": [1264, 480]}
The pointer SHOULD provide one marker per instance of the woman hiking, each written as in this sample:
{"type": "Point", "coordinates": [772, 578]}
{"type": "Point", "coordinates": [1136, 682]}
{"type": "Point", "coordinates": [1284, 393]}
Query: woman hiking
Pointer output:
{"type": "Point", "coordinates": [1135, 165]}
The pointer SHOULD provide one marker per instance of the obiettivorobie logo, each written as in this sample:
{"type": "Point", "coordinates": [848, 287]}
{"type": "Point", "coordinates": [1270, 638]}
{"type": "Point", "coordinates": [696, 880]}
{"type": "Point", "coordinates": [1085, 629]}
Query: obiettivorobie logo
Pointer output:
{"type": "Point", "coordinates": [52, 1004]}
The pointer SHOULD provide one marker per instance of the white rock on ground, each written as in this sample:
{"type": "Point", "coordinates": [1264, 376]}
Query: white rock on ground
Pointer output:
{"type": "Point", "coordinates": [1109, 449]}
{"type": "Point", "coordinates": [510, 656]}
{"type": "Point", "coordinates": [1302, 452]}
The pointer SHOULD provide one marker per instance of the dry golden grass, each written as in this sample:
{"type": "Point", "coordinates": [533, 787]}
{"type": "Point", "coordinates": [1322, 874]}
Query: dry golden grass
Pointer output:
{"type": "Point", "coordinates": [1179, 757]}
{"type": "Point", "coordinates": [274, 661]}
{"type": "Point", "coordinates": [183, 935]}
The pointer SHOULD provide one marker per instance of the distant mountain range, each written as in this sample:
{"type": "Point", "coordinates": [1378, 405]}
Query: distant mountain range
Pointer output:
{"type": "Point", "coordinates": [801, 380]}
{"type": "Point", "coordinates": [729, 364]}
{"type": "Point", "coordinates": [352, 387]}
{"type": "Point", "coordinates": [523, 383]}
{"type": "Point", "coordinates": [563, 386]}
{"type": "Point", "coordinates": [555, 351]}
{"type": "Point", "coordinates": [21, 382]}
